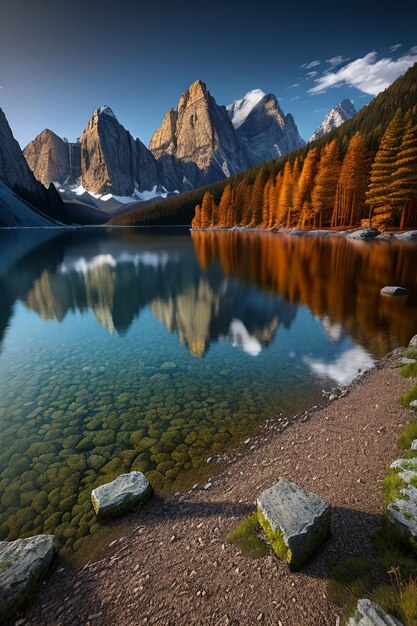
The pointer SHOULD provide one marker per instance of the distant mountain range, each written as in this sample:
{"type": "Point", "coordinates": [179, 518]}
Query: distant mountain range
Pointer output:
{"type": "Point", "coordinates": [340, 114]}
{"type": "Point", "coordinates": [198, 143]}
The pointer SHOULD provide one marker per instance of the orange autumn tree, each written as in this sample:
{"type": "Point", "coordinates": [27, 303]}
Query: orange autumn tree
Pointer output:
{"type": "Point", "coordinates": [206, 215]}
{"type": "Point", "coordinates": [352, 184]}
{"type": "Point", "coordinates": [381, 210]}
{"type": "Point", "coordinates": [196, 221]}
{"type": "Point", "coordinates": [224, 208]}
{"type": "Point", "coordinates": [285, 196]}
{"type": "Point", "coordinates": [257, 197]}
{"type": "Point", "coordinates": [305, 188]}
{"type": "Point", "coordinates": [324, 192]}
{"type": "Point", "coordinates": [403, 193]}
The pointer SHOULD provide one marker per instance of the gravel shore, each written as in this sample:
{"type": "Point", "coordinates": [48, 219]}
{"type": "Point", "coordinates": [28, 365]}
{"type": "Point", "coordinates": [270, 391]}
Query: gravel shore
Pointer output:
{"type": "Point", "coordinates": [174, 565]}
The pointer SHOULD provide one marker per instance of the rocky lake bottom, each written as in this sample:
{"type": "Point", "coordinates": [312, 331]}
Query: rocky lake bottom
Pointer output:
{"type": "Point", "coordinates": [128, 349]}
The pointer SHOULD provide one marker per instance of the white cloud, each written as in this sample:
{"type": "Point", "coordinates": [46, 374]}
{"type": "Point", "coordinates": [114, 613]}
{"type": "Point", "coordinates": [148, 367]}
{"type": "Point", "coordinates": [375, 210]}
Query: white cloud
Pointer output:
{"type": "Point", "coordinates": [295, 98]}
{"type": "Point", "coordinates": [294, 85]}
{"type": "Point", "coordinates": [311, 74]}
{"type": "Point", "coordinates": [308, 66]}
{"type": "Point", "coordinates": [368, 74]}
{"type": "Point", "coordinates": [337, 60]}
{"type": "Point", "coordinates": [395, 47]}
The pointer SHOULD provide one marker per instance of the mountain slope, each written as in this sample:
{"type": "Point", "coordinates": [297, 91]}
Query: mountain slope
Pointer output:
{"type": "Point", "coordinates": [16, 174]}
{"type": "Point", "coordinates": [340, 114]}
{"type": "Point", "coordinates": [52, 159]}
{"type": "Point", "coordinates": [262, 127]}
{"type": "Point", "coordinates": [15, 212]}
{"type": "Point", "coordinates": [196, 144]}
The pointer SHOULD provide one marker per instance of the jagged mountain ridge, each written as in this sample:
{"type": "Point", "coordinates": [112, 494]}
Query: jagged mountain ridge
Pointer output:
{"type": "Point", "coordinates": [197, 143]}
{"type": "Point", "coordinates": [262, 128]}
{"type": "Point", "coordinates": [337, 116]}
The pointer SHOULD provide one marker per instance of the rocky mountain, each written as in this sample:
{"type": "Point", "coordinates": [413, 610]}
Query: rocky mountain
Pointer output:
{"type": "Point", "coordinates": [341, 113]}
{"type": "Point", "coordinates": [196, 143]}
{"type": "Point", "coordinates": [262, 127]}
{"type": "Point", "coordinates": [53, 159]}
{"type": "Point", "coordinates": [112, 161]}
{"type": "Point", "coordinates": [16, 175]}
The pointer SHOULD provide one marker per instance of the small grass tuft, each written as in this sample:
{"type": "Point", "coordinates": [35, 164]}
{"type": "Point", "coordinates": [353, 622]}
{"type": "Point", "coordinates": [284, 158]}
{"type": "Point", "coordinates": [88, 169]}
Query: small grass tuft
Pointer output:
{"type": "Point", "coordinates": [408, 396]}
{"type": "Point", "coordinates": [407, 608]}
{"type": "Point", "coordinates": [392, 485]}
{"type": "Point", "coordinates": [348, 581]}
{"type": "Point", "coordinates": [246, 537]}
{"type": "Point", "coordinates": [409, 370]}
{"type": "Point", "coordinates": [407, 436]}
{"type": "Point", "coordinates": [394, 551]}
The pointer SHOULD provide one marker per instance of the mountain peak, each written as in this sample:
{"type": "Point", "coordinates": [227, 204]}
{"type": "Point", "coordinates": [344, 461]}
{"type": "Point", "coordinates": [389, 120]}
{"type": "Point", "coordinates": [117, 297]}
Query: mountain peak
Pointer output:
{"type": "Point", "coordinates": [240, 109]}
{"type": "Point", "coordinates": [341, 113]}
{"type": "Point", "coordinates": [106, 110]}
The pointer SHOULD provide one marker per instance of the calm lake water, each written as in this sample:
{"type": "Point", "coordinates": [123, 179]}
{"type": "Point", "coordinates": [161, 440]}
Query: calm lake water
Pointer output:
{"type": "Point", "coordinates": [125, 349]}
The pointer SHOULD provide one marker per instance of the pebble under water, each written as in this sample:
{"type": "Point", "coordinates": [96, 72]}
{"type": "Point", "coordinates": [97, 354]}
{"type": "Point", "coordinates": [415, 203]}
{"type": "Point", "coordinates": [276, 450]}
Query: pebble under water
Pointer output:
{"type": "Point", "coordinates": [126, 349]}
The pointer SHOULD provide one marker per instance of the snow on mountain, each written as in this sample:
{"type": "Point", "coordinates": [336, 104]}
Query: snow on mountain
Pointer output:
{"type": "Point", "coordinates": [106, 110]}
{"type": "Point", "coordinates": [240, 109]}
{"type": "Point", "coordinates": [341, 113]}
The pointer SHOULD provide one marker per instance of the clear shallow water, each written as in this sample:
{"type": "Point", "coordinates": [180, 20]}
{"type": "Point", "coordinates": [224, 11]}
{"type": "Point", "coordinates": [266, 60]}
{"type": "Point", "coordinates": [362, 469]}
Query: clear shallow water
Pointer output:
{"type": "Point", "coordinates": [152, 350]}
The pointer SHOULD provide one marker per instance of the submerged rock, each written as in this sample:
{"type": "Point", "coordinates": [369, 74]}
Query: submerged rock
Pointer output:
{"type": "Point", "coordinates": [23, 564]}
{"type": "Point", "coordinates": [121, 494]}
{"type": "Point", "coordinates": [408, 235]}
{"type": "Point", "coordinates": [295, 521]}
{"type": "Point", "coordinates": [391, 290]}
{"type": "Point", "coordinates": [368, 613]}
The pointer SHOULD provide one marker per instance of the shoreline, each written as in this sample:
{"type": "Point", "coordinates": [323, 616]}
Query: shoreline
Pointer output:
{"type": "Point", "coordinates": [351, 233]}
{"type": "Point", "coordinates": [174, 565]}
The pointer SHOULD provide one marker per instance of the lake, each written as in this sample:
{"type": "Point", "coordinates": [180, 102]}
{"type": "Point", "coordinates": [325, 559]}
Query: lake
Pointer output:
{"type": "Point", "coordinates": [153, 349]}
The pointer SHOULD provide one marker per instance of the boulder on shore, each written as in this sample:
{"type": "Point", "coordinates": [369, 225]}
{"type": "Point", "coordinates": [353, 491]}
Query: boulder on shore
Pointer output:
{"type": "Point", "coordinates": [368, 613]}
{"type": "Point", "coordinates": [23, 564]}
{"type": "Point", "coordinates": [364, 233]}
{"type": "Point", "coordinates": [295, 521]}
{"type": "Point", "coordinates": [392, 290]}
{"type": "Point", "coordinates": [121, 494]}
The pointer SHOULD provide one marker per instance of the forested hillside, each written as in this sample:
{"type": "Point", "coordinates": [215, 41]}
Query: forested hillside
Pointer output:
{"type": "Point", "coordinates": [362, 172]}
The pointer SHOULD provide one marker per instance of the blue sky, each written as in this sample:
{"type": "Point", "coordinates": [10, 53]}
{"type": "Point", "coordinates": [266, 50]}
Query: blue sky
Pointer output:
{"type": "Point", "coordinates": [59, 60]}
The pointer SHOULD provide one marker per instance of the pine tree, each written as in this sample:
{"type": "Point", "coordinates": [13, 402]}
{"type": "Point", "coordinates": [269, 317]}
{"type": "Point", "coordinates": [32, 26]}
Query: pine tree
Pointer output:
{"type": "Point", "coordinates": [266, 209]}
{"type": "Point", "coordinates": [352, 184]}
{"type": "Point", "coordinates": [305, 187]}
{"type": "Point", "coordinates": [378, 196]}
{"type": "Point", "coordinates": [207, 210]}
{"type": "Point", "coordinates": [273, 200]}
{"type": "Point", "coordinates": [224, 207]}
{"type": "Point", "coordinates": [257, 196]}
{"type": "Point", "coordinates": [324, 192]}
{"type": "Point", "coordinates": [196, 221]}
{"type": "Point", "coordinates": [403, 194]}
{"type": "Point", "coordinates": [295, 177]}
{"type": "Point", "coordinates": [285, 196]}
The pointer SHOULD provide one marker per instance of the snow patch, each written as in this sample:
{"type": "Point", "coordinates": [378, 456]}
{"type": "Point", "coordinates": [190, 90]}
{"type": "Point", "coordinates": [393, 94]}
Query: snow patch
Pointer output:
{"type": "Point", "coordinates": [240, 109]}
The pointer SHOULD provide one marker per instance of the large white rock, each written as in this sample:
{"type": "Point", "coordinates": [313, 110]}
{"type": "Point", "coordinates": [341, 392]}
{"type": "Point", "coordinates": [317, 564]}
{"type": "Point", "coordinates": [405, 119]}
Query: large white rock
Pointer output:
{"type": "Point", "coordinates": [295, 521]}
{"type": "Point", "coordinates": [23, 564]}
{"type": "Point", "coordinates": [121, 494]}
{"type": "Point", "coordinates": [402, 513]}
{"type": "Point", "coordinates": [369, 613]}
